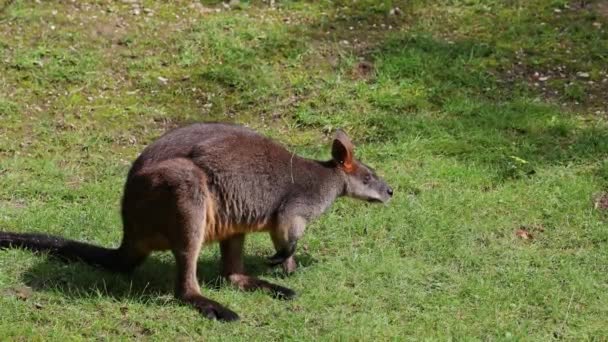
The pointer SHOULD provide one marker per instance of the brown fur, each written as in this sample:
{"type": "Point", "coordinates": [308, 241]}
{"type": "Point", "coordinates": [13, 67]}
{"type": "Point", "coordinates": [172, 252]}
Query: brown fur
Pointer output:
{"type": "Point", "coordinates": [216, 183]}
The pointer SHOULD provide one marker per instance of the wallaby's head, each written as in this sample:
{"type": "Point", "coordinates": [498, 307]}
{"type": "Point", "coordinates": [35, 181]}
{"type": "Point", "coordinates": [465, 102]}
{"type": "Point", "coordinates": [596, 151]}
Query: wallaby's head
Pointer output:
{"type": "Point", "coordinates": [360, 180]}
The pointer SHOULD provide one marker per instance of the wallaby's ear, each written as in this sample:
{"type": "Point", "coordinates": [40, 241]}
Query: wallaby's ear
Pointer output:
{"type": "Point", "coordinates": [342, 151]}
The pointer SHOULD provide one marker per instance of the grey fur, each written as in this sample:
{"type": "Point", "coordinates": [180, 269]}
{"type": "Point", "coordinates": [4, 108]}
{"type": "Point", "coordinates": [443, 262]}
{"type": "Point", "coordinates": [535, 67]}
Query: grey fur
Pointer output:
{"type": "Point", "coordinates": [255, 180]}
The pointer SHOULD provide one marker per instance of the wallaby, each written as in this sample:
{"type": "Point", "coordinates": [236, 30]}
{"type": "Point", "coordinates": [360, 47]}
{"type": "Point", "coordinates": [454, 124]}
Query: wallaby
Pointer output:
{"type": "Point", "coordinates": [212, 182]}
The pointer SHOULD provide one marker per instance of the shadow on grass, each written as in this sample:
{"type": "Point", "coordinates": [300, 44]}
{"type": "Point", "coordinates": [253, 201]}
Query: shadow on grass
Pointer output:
{"type": "Point", "coordinates": [450, 94]}
{"type": "Point", "coordinates": [154, 278]}
{"type": "Point", "coordinates": [478, 117]}
{"type": "Point", "coordinates": [424, 86]}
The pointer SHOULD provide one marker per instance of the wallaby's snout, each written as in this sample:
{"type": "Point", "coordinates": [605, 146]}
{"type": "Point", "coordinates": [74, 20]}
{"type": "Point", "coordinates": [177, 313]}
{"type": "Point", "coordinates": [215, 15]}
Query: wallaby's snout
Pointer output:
{"type": "Point", "coordinates": [364, 184]}
{"type": "Point", "coordinates": [360, 180]}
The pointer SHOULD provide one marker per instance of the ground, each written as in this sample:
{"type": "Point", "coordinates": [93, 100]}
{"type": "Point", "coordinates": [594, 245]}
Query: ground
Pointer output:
{"type": "Point", "coordinates": [487, 117]}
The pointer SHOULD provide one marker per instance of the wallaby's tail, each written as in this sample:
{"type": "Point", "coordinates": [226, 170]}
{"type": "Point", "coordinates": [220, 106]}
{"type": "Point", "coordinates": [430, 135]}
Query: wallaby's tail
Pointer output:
{"type": "Point", "coordinates": [110, 259]}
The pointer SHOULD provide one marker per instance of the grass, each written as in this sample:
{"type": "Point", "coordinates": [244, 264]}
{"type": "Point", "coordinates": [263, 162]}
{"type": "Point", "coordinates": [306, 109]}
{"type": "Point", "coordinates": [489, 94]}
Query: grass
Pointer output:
{"type": "Point", "coordinates": [485, 116]}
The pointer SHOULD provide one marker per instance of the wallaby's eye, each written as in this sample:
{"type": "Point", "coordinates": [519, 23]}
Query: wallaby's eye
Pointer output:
{"type": "Point", "coordinates": [366, 179]}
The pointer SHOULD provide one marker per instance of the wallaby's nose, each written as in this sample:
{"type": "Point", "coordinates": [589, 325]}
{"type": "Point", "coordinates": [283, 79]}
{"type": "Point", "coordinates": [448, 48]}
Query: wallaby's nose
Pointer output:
{"type": "Point", "coordinates": [390, 191]}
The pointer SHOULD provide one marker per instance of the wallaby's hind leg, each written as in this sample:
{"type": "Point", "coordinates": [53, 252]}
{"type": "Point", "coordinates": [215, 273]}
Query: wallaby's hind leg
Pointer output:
{"type": "Point", "coordinates": [186, 242]}
{"type": "Point", "coordinates": [234, 271]}
{"type": "Point", "coordinates": [187, 287]}
{"type": "Point", "coordinates": [165, 209]}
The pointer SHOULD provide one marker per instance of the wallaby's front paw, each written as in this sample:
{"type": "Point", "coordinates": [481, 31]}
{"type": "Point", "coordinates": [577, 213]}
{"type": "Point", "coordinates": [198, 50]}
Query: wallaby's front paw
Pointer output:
{"type": "Point", "coordinates": [289, 266]}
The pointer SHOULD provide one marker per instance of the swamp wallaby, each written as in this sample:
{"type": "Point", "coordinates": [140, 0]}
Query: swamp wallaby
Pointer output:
{"type": "Point", "coordinates": [217, 182]}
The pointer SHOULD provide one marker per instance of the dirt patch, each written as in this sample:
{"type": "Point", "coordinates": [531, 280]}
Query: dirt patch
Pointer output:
{"type": "Point", "coordinates": [20, 292]}
{"type": "Point", "coordinates": [560, 84]}
{"type": "Point", "coordinates": [601, 7]}
{"type": "Point", "coordinates": [110, 30]}
{"type": "Point", "coordinates": [14, 204]}
{"type": "Point", "coordinates": [363, 70]}
{"type": "Point", "coordinates": [565, 77]}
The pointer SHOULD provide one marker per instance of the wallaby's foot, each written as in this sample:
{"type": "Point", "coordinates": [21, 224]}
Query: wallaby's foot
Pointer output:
{"type": "Point", "coordinates": [247, 283]}
{"type": "Point", "coordinates": [289, 266]}
{"type": "Point", "coordinates": [233, 270]}
{"type": "Point", "coordinates": [211, 309]}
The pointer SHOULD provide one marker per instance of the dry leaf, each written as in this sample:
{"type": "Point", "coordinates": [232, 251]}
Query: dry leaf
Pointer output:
{"type": "Point", "coordinates": [524, 234]}
{"type": "Point", "coordinates": [601, 201]}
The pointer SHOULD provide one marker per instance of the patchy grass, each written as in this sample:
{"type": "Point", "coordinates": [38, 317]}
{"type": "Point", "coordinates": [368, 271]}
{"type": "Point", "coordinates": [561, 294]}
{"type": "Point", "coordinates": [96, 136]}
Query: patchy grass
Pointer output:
{"type": "Point", "coordinates": [487, 117]}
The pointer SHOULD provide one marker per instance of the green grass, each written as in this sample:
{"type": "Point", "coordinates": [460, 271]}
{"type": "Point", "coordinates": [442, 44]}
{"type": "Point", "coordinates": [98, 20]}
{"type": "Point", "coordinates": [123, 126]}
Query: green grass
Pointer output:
{"type": "Point", "coordinates": [485, 116]}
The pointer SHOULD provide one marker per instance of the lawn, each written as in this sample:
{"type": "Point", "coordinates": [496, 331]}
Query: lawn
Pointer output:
{"type": "Point", "coordinates": [488, 118]}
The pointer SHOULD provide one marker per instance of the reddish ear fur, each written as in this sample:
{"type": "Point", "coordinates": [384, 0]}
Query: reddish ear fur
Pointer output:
{"type": "Point", "coordinates": [342, 151]}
